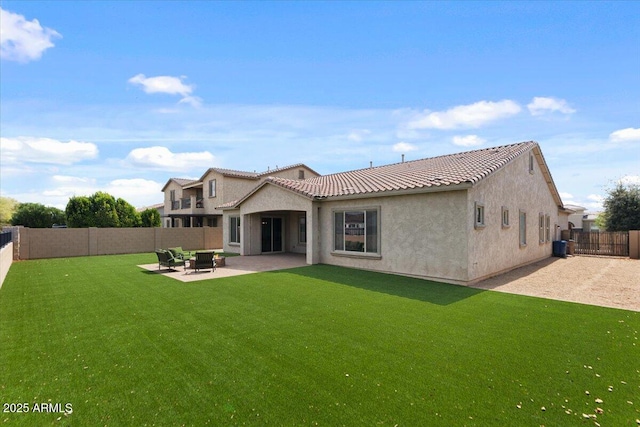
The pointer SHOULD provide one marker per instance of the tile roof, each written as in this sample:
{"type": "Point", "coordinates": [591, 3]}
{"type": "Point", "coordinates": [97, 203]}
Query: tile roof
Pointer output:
{"type": "Point", "coordinates": [443, 171]}
{"type": "Point", "coordinates": [255, 175]}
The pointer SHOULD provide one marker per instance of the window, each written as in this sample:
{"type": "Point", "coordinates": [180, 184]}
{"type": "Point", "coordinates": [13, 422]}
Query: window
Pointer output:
{"type": "Point", "coordinates": [531, 162]}
{"type": "Point", "coordinates": [523, 228]}
{"type": "Point", "coordinates": [212, 188]}
{"type": "Point", "coordinates": [505, 217]}
{"type": "Point", "coordinates": [541, 227]}
{"type": "Point", "coordinates": [356, 231]}
{"type": "Point", "coordinates": [547, 226]}
{"type": "Point", "coordinates": [212, 222]}
{"type": "Point", "coordinates": [479, 215]}
{"type": "Point", "coordinates": [175, 204]}
{"type": "Point", "coordinates": [234, 232]}
{"type": "Point", "coordinates": [302, 229]}
{"type": "Point", "coordinates": [300, 173]}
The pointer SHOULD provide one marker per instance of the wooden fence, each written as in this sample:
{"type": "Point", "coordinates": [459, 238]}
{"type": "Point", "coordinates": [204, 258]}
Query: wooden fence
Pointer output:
{"type": "Point", "coordinates": [601, 243]}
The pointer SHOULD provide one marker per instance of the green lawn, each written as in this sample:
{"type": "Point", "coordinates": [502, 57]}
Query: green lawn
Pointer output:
{"type": "Point", "coordinates": [314, 345]}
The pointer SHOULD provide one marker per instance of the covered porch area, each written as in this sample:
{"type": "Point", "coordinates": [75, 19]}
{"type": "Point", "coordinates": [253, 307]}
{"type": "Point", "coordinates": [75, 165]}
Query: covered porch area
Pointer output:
{"type": "Point", "coordinates": [272, 220]}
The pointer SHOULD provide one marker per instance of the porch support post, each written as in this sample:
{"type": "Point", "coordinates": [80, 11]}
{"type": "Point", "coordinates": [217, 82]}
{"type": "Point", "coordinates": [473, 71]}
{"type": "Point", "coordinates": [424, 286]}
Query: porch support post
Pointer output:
{"type": "Point", "coordinates": [245, 234]}
{"type": "Point", "coordinates": [313, 234]}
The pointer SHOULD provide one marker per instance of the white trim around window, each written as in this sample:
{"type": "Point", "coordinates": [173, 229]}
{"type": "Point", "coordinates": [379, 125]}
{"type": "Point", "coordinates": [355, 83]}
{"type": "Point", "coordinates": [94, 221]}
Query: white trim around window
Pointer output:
{"type": "Point", "coordinates": [478, 215]}
{"type": "Point", "coordinates": [234, 229]}
{"type": "Point", "coordinates": [523, 228]}
{"type": "Point", "coordinates": [212, 188]}
{"type": "Point", "coordinates": [505, 217]}
{"type": "Point", "coordinates": [356, 232]}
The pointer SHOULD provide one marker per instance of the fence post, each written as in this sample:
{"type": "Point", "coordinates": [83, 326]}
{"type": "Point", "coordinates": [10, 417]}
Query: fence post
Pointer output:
{"type": "Point", "coordinates": [634, 244]}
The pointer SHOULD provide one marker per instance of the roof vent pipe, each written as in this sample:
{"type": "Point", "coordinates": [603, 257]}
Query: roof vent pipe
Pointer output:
{"type": "Point", "coordinates": [403, 158]}
{"type": "Point", "coordinates": [370, 163]}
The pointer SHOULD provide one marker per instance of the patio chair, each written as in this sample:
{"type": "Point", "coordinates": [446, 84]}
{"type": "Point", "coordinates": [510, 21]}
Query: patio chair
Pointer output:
{"type": "Point", "coordinates": [179, 253]}
{"type": "Point", "coordinates": [204, 261]}
{"type": "Point", "coordinates": [166, 259]}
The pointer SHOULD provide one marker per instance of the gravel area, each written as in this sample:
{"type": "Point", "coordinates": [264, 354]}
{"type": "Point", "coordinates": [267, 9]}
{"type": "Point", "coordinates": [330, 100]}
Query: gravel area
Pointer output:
{"type": "Point", "coordinates": [604, 281]}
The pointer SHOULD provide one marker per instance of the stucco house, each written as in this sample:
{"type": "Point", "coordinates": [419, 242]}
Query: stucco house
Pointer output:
{"type": "Point", "coordinates": [193, 203]}
{"type": "Point", "coordinates": [457, 218]}
{"type": "Point", "coordinates": [581, 220]}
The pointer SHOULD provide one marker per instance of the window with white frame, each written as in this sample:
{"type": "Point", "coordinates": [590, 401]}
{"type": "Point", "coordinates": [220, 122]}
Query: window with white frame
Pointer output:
{"type": "Point", "coordinates": [547, 227]}
{"type": "Point", "coordinates": [541, 227]}
{"type": "Point", "coordinates": [356, 231]}
{"type": "Point", "coordinates": [479, 215]}
{"type": "Point", "coordinates": [212, 188]}
{"type": "Point", "coordinates": [505, 217]}
{"type": "Point", "coordinates": [234, 229]}
{"type": "Point", "coordinates": [523, 228]}
{"type": "Point", "coordinates": [302, 229]}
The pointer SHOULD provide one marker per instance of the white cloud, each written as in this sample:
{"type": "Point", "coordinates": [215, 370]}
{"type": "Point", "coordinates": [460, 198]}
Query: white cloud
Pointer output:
{"type": "Point", "coordinates": [162, 158]}
{"type": "Point", "coordinates": [542, 105]}
{"type": "Point", "coordinates": [139, 192]}
{"type": "Point", "coordinates": [624, 135]}
{"type": "Point", "coordinates": [468, 140]}
{"type": "Point", "coordinates": [595, 198]}
{"type": "Point", "coordinates": [169, 85]}
{"type": "Point", "coordinates": [22, 40]}
{"type": "Point", "coordinates": [194, 101]}
{"type": "Point", "coordinates": [630, 180]}
{"type": "Point", "coordinates": [566, 196]}
{"type": "Point", "coordinates": [466, 116]}
{"type": "Point", "coordinates": [358, 135]}
{"type": "Point", "coordinates": [46, 150]}
{"type": "Point", "coordinates": [404, 147]}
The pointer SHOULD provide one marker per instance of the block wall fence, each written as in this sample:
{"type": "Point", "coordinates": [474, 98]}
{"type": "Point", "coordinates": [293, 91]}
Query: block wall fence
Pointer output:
{"type": "Point", "coordinates": [37, 243]}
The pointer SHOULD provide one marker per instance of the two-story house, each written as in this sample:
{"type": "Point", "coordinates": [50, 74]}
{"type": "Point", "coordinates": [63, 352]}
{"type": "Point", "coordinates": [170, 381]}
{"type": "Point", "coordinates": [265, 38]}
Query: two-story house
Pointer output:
{"type": "Point", "coordinates": [193, 203]}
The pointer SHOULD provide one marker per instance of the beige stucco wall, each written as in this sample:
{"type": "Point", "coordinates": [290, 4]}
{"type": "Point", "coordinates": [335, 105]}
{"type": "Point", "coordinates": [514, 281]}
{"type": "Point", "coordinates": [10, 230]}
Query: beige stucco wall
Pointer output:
{"type": "Point", "coordinates": [293, 173]}
{"type": "Point", "coordinates": [493, 248]}
{"type": "Point", "coordinates": [209, 202]}
{"type": "Point", "coordinates": [421, 235]}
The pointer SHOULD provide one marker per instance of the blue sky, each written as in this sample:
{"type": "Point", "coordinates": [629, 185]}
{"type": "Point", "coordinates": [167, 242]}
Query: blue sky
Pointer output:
{"type": "Point", "coordinates": [121, 96]}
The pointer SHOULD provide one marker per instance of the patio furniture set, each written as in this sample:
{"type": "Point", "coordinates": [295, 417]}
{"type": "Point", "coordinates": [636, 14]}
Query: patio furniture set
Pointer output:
{"type": "Point", "coordinates": [176, 257]}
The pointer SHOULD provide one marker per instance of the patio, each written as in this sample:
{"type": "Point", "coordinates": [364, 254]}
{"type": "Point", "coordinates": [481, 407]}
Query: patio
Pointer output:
{"type": "Point", "coordinates": [234, 266]}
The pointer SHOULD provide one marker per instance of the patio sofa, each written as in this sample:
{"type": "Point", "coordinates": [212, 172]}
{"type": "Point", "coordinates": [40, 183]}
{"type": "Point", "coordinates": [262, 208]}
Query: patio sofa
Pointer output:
{"type": "Point", "coordinates": [166, 259]}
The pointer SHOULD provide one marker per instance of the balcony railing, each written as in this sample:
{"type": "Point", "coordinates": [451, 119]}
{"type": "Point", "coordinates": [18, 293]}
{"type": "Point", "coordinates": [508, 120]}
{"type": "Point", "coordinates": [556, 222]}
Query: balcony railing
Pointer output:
{"type": "Point", "coordinates": [187, 203]}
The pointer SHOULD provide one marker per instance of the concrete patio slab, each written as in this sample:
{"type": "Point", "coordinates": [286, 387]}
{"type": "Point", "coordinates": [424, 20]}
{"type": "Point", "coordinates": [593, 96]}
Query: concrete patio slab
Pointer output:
{"type": "Point", "coordinates": [234, 266]}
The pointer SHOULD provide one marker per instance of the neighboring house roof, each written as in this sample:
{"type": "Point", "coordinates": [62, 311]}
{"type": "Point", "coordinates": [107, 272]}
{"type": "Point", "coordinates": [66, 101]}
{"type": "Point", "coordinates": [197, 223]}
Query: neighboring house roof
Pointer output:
{"type": "Point", "coordinates": [442, 173]}
{"type": "Point", "coordinates": [156, 206]}
{"type": "Point", "coordinates": [254, 175]}
{"type": "Point", "coordinates": [180, 181]}
{"type": "Point", "coordinates": [575, 208]}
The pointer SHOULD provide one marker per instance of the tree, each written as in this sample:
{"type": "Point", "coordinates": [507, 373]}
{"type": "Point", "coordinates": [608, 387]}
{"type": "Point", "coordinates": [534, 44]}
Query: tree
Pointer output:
{"type": "Point", "coordinates": [36, 215]}
{"type": "Point", "coordinates": [7, 208]}
{"type": "Point", "coordinates": [622, 208]}
{"type": "Point", "coordinates": [101, 210]}
{"type": "Point", "coordinates": [151, 218]}
{"type": "Point", "coordinates": [127, 214]}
